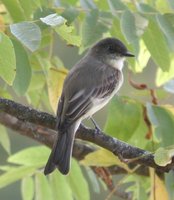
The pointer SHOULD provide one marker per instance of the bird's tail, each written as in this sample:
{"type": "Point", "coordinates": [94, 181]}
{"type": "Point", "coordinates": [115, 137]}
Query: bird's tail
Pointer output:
{"type": "Point", "coordinates": [61, 152]}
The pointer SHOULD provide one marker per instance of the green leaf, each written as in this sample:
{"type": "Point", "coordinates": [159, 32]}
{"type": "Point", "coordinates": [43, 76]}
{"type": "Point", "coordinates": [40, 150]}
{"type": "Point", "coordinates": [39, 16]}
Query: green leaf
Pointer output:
{"type": "Point", "coordinates": [71, 2]}
{"type": "Point", "coordinates": [171, 2]}
{"type": "Point", "coordinates": [55, 81]}
{"type": "Point", "coordinates": [162, 6]}
{"type": "Point", "coordinates": [4, 139]}
{"type": "Point", "coordinates": [138, 138]}
{"type": "Point", "coordinates": [37, 81]}
{"type": "Point", "coordinates": [166, 24]}
{"type": "Point", "coordinates": [163, 77]}
{"type": "Point", "coordinates": [102, 5]}
{"type": "Point", "coordinates": [43, 189]}
{"type": "Point", "coordinates": [36, 89]}
{"type": "Point", "coordinates": [163, 122]}
{"type": "Point", "coordinates": [128, 26]}
{"type": "Point", "coordinates": [7, 59]}
{"type": "Point", "coordinates": [5, 94]}
{"type": "Point", "coordinates": [32, 156]}
{"type": "Point", "coordinates": [124, 119]}
{"type": "Point", "coordinates": [6, 168]}
{"type": "Point", "coordinates": [15, 175]}
{"type": "Point", "coordinates": [94, 181]}
{"type": "Point", "coordinates": [79, 188]}
{"type": "Point", "coordinates": [53, 20]}
{"type": "Point", "coordinates": [169, 177]}
{"type": "Point", "coordinates": [142, 58]}
{"type": "Point", "coordinates": [27, 188]}
{"type": "Point", "coordinates": [160, 191]}
{"type": "Point", "coordinates": [145, 8]}
{"type": "Point", "coordinates": [139, 186]}
{"type": "Point", "coordinates": [162, 156]}
{"type": "Point", "coordinates": [92, 28]}
{"type": "Point", "coordinates": [141, 23]}
{"type": "Point", "coordinates": [87, 4]}
{"type": "Point", "coordinates": [67, 33]}
{"type": "Point", "coordinates": [23, 69]}
{"type": "Point", "coordinates": [116, 31]}
{"type": "Point", "coordinates": [60, 187]}
{"type": "Point", "coordinates": [155, 43]}
{"type": "Point", "coordinates": [28, 34]}
{"type": "Point", "coordinates": [15, 10]}
{"type": "Point", "coordinates": [169, 86]}
{"type": "Point", "coordinates": [47, 38]}
{"type": "Point", "coordinates": [70, 14]}
{"type": "Point", "coordinates": [102, 158]}
{"type": "Point", "coordinates": [29, 6]}
{"type": "Point", "coordinates": [116, 6]}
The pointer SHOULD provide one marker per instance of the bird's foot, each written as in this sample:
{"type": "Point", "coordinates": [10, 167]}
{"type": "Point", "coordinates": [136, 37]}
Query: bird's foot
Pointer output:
{"type": "Point", "coordinates": [97, 128]}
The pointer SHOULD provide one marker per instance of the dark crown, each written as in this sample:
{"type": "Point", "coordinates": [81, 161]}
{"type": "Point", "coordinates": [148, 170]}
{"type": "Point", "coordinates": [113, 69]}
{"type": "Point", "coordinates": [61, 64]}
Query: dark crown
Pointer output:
{"type": "Point", "coordinates": [110, 46]}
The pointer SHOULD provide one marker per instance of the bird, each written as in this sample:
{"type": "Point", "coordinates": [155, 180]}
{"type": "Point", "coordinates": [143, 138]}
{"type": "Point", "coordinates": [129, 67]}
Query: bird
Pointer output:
{"type": "Point", "coordinates": [88, 87]}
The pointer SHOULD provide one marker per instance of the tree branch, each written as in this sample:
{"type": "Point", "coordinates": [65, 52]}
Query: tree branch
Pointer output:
{"type": "Point", "coordinates": [132, 155]}
{"type": "Point", "coordinates": [42, 134]}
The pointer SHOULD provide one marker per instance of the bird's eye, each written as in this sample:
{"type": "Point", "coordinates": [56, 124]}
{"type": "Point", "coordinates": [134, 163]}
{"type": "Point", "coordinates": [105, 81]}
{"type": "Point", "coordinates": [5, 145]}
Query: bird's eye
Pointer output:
{"type": "Point", "coordinates": [111, 49]}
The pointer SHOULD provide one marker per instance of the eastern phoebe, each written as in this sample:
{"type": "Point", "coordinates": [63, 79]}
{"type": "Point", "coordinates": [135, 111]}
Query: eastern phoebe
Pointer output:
{"type": "Point", "coordinates": [89, 86]}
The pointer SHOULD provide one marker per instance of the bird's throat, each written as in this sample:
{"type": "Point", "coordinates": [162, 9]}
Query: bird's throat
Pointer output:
{"type": "Point", "coordinates": [116, 63]}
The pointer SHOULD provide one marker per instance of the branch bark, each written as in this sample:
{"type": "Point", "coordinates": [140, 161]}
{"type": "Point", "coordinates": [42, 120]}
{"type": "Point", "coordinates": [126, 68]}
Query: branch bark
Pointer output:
{"type": "Point", "coordinates": [43, 125]}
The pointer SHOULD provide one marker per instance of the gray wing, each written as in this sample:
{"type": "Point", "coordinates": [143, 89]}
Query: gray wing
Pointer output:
{"type": "Point", "coordinates": [77, 92]}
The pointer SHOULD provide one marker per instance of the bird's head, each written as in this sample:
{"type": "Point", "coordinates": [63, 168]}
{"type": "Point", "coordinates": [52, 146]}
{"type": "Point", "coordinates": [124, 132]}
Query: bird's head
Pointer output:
{"type": "Point", "coordinates": [111, 51]}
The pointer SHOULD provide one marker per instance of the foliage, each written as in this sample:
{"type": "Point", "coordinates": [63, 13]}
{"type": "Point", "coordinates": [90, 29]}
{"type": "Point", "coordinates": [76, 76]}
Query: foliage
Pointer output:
{"type": "Point", "coordinates": [30, 69]}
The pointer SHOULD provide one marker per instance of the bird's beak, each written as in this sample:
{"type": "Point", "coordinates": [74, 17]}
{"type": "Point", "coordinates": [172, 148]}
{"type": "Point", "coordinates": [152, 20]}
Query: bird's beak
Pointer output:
{"type": "Point", "coordinates": [128, 54]}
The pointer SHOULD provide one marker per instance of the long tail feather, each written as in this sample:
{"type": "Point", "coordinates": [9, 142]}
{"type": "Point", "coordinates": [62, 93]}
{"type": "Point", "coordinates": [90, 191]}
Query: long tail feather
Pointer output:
{"type": "Point", "coordinates": [61, 153]}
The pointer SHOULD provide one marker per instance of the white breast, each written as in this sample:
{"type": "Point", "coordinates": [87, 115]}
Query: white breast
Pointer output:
{"type": "Point", "coordinates": [100, 103]}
